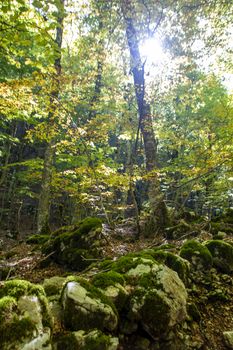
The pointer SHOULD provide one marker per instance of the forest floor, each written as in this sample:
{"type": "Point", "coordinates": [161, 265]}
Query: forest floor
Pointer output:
{"type": "Point", "coordinates": [24, 261]}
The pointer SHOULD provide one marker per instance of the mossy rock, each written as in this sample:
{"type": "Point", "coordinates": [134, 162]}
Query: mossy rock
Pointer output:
{"type": "Point", "coordinates": [221, 226]}
{"type": "Point", "coordinates": [105, 279]}
{"type": "Point", "coordinates": [86, 307]}
{"type": "Point", "coordinates": [222, 253]}
{"type": "Point", "coordinates": [78, 246]}
{"type": "Point", "coordinates": [75, 258]}
{"type": "Point", "coordinates": [197, 254]}
{"type": "Point", "coordinates": [112, 284]}
{"type": "Point", "coordinates": [175, 232]}
{"type": "Point", "coordinates": [53, 285]}
{"type": "Point", "coordinates": [17, 288]}
{"type": "Point", "coordinates": [38, 239]}
{"type": "Point", "coordinates": [158, 301]}
{"type": "Point", "coordinates": [128, 262]}
{"type": "Point", "coordinates": [175, 262]}
{"type": "Point", "coordinates": [24, 315]}
{"type": "Point", "coordinates": [81, 340]}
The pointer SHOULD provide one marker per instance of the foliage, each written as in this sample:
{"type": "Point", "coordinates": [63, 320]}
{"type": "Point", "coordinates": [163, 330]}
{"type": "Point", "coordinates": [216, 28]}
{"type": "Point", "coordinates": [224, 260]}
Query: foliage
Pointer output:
{"type": "Point", "coordinates": [97, 144]}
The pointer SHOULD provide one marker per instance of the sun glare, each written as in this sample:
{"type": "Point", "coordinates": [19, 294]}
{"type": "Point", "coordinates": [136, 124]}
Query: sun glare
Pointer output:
{"type": "Point", "coordinates": [151, 50]}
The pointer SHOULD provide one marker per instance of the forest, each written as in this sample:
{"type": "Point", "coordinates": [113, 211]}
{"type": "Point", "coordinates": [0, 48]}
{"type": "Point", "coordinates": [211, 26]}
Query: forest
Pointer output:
{"type": "Point", "coordinates": [116, 174]}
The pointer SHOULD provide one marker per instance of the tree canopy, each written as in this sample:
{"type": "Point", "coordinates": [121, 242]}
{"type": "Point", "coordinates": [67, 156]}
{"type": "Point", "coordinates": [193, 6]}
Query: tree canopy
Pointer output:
{"type": "Point", "coordinates": [91, 122]}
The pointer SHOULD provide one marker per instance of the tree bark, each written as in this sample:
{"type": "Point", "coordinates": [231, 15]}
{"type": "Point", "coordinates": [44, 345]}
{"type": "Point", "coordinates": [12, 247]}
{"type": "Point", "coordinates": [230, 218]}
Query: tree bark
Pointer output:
{"type": "Point", "coordinates": [137, 68]}
{"type": "Point", "coordinates": [158, 208]}
{"type": "Point", "coordinates": [45, 194]}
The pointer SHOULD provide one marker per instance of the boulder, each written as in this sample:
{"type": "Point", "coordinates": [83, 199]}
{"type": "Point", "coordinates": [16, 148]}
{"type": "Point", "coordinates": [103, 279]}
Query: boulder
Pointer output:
{"type": "Point", "coordinates": [25, 320]}
{"type": "Point", "coordinates": [112, 285]}
{"type": "Point", "coordinates": [197, 254]}
{"type": "Point", "coordinates": [86, 307]}
{"type": "Point", "coordinates": [175, 262]}
{"type": "Point", "coordinates": [158, 297]}
{"type": "Point", "coordinates": [93, 340]}
{"type": "Point", "coordinates": [53, 286]}
{"type": "Point", "coordinates": [222, 253]}
{"type": "Point", "coordinates": [76, 246]}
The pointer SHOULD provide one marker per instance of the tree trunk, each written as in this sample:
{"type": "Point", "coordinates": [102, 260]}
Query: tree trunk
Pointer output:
{"type": "Point", "coordinates": [45, 194]}
{"type": "Point", "coordinates": [145, 120]}
{"type": "Point", "coordinates": [137, 67]}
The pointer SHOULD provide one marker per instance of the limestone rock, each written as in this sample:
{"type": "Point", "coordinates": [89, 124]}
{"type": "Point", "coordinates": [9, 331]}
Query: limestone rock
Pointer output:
{"type": "Point", "coordinates": [222, 253]}
{"type": "Point", "coordinates": [75, 246]}
{"type": "Point", "coordinates": [197, 254]}
{"type": "Point", "coordinates": [53, 285]}
{"type": "Point", "coordinates": [25, 320]}
{"type": "Point", "coordinates": [175, 262]}
{"type": "Point", "coordinates": [86, 308]}
{"type": "Point", "coordinates": [82, 340]}
{"type": "Point", "coordinates": [158, 301]}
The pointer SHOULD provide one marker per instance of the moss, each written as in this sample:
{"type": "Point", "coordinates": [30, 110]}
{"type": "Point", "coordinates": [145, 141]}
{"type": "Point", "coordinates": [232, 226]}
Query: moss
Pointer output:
{"type": "Point", "coordinates": [106, 264]}
{"type": "Point", "coordinates": [144, 254]}
{"type": "Point", "coordinates": [149, 280]}
{"type": "Point", "coordinates": [98, 341]}
{"type": "Point", "coordinates": [197, 254]}
{"type": "Point", "coordinates": [220, 226]}
{"type": "Point", "coordinates": [128, 262]}
{"type": "Point", "coordinates": [76, 246]}
{"type": "Point", "coordinates": [53, 285]}
{"type": "Point", "coordinates": [106, 279]}
{"type": "Point", "coordinates": [154, 311]}
{"type": "Point", "coordinates": [15, 330]}
{"type": "Point", "coordinates": [166, 246]}
{"type": "Point", "coordinates": [94, 340]}
{"type": "Point", "coordinates": [89, 224]}
{"type": "Point", "coordinates": [7, 304]}
{"type": "Point", "coordinates": [177, 230]}
{"type": "Point", "coordinates": [47, 320]}
{"type": "Point", "coordinates": [63, 229]}
{"type": "Point", "coordinates": [17, 288]}
{"type": "Point", "coordinates": [219, 236]}
{"type": "Point", "coordinates": [222, 253]}
{"type": "Point", "coordinates": [175, 263]}
{"type": "Point", "coordinates": [66, 342]}
{"type": "Point", "coordinates": [38, 239]}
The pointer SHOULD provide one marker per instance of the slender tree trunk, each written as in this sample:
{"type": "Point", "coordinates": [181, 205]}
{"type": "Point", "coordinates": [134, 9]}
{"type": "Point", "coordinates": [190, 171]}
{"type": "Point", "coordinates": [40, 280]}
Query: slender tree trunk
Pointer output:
{"type": "Point", "coordinates": [45, 194]}
{"type": "Point", "coordinates": [157, 204]}
{"type": "Point", "coordinates": [137, 67]}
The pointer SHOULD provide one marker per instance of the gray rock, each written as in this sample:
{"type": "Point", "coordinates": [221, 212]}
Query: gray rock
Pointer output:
{"type": "Point", "coordinates": [96, 340]}
{"type": "Point", "coordinates": [84, 310]}
{"type": "Point", "coordinates": [222, 253]}
{"type": "Point", "coordinates": [159, 298]}
{"type": "Point", "coordinates": [53, 285]}
{"type": "Point", "coordinates": [84, 340]}
{"type": "Point", "coordinates": [25, 320]}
